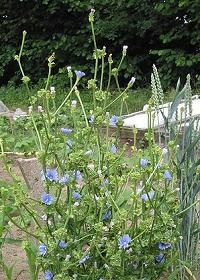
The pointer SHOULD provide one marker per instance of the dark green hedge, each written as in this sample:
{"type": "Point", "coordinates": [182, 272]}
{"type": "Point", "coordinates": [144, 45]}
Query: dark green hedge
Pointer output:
{"type": "Point", "coordinates": [162, 32]}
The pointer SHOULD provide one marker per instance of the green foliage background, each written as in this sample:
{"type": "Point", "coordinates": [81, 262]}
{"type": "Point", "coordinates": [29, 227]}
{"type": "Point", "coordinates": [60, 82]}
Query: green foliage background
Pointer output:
{"type": "Point", "coordinates": [162, 32]}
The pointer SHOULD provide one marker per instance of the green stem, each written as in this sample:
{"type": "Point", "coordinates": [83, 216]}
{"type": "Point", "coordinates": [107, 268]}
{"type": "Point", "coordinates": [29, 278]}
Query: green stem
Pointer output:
{"type": "Point", "coordinates": [37, 132]}
{"type": "Point", "coordinates": [120, 64]}
{"type": "Point", "coordinates": [23, 229]}
{"type": "Point", "coordinates": [186, 209]}
{"type": "Point", "coordinates": [32, 215]}
{"type": "Point", "coordinates": [70, 82]}
{"type": "Point", "coordinates": [102, 72]}
{"type": "Point", "coordinates": [48, 78]}
{"type": "Point", "coordinates": [93, 36]}
{"type": "Point", "coordinates": [109, 77]}
{"type": "Point", "coordinates": [111, 103]}
{"type": "Point", "coordinates": [96, 68]}
{"type": "Point", "coordinates": [19, 59]}
{"type": "Point", "coordinates": [95, 50]}
{"type": "Point", "coordinates": [64, 101]}
{"type": "Point", "coordinates": [83, 109]}
{"type": "Point", "coordinates": [114, 203]}
{"type": "Point", "coordinates": [99, 147]}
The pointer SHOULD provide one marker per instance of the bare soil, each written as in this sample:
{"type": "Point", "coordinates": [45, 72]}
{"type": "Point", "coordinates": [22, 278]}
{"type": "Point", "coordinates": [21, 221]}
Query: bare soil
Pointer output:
{"type": "Point", "coordinates": [13, 253]}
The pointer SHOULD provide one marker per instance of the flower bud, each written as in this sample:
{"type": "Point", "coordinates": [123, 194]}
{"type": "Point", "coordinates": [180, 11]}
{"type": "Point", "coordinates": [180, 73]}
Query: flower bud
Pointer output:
{"type": "Point", "coordinates": [110, 61]}
{"type": "Point", "coordinates": [52, 90]}
{"type": "Point", "coordinates": [164, 151]}
{"type": "Point", "coordinates": [30, 109]}
{"type": "Point", "coordinates": [146, 108]}
{"type": "Point", "coordinates": [73, 104]}
{"type": "Point", "coordinates": [124, 52]}
{"type": "Point", "coordinates": [91, 15]}
{"type": "Point", "coordinates": [132, 81]}
{"type": "Point", "coordinates": [40, 109]}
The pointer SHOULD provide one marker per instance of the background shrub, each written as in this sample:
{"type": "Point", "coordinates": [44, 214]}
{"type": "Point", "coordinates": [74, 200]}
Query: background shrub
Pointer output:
{"type": "Point", "coordinates": [165, 33]}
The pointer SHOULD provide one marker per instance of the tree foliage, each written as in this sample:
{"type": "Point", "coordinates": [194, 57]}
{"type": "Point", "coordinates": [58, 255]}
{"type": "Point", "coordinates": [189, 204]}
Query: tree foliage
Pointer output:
{"type": "Point", "coordinates": [161, 32]}
{"type": "Point", "coordinates": [180, 38]}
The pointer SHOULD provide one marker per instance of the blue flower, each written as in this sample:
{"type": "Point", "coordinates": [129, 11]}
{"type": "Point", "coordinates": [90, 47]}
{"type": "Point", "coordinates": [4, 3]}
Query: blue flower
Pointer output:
{"type": "Point", "coordinates": [64, 180]}
{"type": "Point", "coordinates": [105, 182]}
{"type": "Point", "coordinates": [144, 162]}
{"type": "Point", "coordinates": [113, 149]}
{"type": "Point", "coordinates": [91, 119]}
{"type": "Point", "coordinates": [42, 250]}
{"type": "Point", "coordinates": [79, 74]}
{"type": "Point", "coordinates": [76, 195]}
{"type": "Point", "coordinates": [167, 175]}
{"type": "Point", "coordinates": [77, 175]}
{"type": "Point", "coordinates": [113, 120]}
{"type": "Point", "coordinates": [51, 175]}
{"type": "Point", "coordinates": [146, 197]}
{"type": "Point", "coordinates": [84, 259]}
{"type": "Point", "coordinates": [48, 275]}
{"type": "Point", "coordinates": [66, 131]}
{"type": "Point", "coordinates": [62, 244]}
{"type": "Point", "coordinates": [163, 246]}
{"type": "Point", "coordinates": [69, 143]}
{"type": "Point", "coordinates": [159, 259]}
{"type": "Point", "coordinates": [107, 216]}
{"type": "Point", "coordinates": [47, 198]}
{"type": "Point", "coordinates": [124, 241]}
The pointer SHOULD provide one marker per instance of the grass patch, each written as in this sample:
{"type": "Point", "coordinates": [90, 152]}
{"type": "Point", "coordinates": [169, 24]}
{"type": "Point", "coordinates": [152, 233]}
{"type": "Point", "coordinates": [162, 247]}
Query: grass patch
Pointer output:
{"type": "Point", "coordinates": [15, 97]}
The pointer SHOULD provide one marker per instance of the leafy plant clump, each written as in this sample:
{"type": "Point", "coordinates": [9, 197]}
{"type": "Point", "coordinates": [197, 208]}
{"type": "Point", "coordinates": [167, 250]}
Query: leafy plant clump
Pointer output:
{"type": "Point", "coordinates": [97, 217]}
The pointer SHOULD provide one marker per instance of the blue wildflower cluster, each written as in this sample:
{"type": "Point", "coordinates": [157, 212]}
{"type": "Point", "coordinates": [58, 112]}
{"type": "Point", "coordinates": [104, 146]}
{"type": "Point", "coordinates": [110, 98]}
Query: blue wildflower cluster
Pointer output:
{"type": "Point", "coordinates": [52, 175]}
{"type": "Point", "coordinates": [105, 215]}
{"type": "Point", "coordinates": [160, 259]}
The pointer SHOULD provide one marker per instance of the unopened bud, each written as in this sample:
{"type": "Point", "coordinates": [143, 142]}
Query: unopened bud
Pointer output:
{"type": "Point", "coordinates": [146, 108]}
{"type": "Point", "coordinates": [132, 81]}
{"type": "Point", "coordinates": [164, 151]}
{"type": "Point", "coordinates": [91, 15]}
{"type": "Point", "coordinates": [74, 103]}
{"type": "Point", "coordinates": [110, 61]}
{"type": "Point", "coordinates": [53, 90]}
{"type": "Point", "coordinates": [40, 109]}
{"type": "Point", "coordinates": [124, 50]}
{"type": "Point", "coordinates": [30, 109]}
